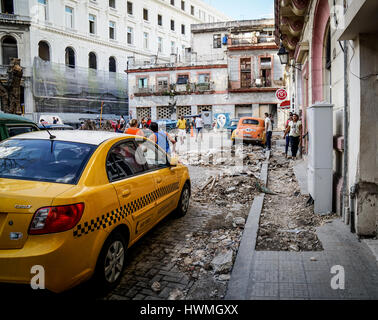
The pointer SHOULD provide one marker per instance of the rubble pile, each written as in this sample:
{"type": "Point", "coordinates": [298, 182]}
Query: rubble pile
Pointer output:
{"type": "Point", "coordinates": [286, 223]}
{"type": "Point", "coordinates": [209, 252]}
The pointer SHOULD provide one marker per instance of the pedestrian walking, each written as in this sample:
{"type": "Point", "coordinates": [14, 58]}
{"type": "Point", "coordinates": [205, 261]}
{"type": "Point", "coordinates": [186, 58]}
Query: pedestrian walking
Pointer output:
{"type": "Point", "coordinates": [148, 122]}
{"type": "Point", "coordinates": [199, 127]}
{"type": "Point", "coordinates": [181, 125]}
{"type": "Point", "coordinates": [294, 129]}
{"type": "Point", "coordinates": [287, 136]}
{"type": "Point", "coordinates": [161, 138]}
{"type": "Point", "coordinates": [133, 129]}
{"type": "Point", "coordinates": [271, 120]}
{"type": "Point", "coordinates": [268, 131]}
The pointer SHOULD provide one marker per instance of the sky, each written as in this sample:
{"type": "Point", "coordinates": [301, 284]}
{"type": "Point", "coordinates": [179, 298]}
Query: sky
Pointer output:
{"type": "Point", "coordinates": [244, 9]}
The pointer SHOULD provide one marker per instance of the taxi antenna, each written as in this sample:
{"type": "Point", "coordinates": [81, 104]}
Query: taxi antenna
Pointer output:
{"type": "Point", "coordinates": [51, 135]}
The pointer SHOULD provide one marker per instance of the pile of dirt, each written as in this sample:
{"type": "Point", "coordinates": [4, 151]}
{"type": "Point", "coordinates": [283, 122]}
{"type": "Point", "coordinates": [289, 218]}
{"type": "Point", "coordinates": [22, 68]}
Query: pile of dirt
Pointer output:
{"type": "Point", "coordinates": [286, 223]}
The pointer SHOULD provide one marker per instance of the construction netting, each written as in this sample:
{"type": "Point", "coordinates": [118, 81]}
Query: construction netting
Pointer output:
{"type": "Point", "coordinates": [60, 88]}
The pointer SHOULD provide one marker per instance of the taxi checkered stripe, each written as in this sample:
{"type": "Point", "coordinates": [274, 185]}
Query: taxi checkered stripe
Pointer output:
{"type": "Point", "coordinates": [110, 218]}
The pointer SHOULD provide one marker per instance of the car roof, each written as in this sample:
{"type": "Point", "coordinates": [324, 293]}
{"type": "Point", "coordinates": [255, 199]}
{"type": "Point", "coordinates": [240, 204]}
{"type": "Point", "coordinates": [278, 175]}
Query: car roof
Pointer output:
{"type": "Point", "coordinates": [253, 118]}
{"type": "Point", "coordinates": [79, 136]}
{"type": "Point", "coordinates": [7, 117]}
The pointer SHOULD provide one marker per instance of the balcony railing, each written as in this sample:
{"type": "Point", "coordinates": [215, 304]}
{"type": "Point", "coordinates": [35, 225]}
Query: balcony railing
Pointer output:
{"type": "Point", "coordinates": [175, 89]}
{"type": "Point", "coordinates": [256, 83]}
{"type": "Point", "coordinates": [14, 18]}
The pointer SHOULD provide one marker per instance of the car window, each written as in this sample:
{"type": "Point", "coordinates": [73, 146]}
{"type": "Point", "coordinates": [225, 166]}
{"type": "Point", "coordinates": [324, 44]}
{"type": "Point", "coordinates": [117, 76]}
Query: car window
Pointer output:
{"type": "Point", "coordinates": [154, 157]}
{"type": "Point", "coordinates": [123, 161]}
{"type": "Point", "coordinates": [44, 160]}
{"type": "Point", "coordinates": [251, 121]}
{"type": "Point", "coordinates": [14, 131]}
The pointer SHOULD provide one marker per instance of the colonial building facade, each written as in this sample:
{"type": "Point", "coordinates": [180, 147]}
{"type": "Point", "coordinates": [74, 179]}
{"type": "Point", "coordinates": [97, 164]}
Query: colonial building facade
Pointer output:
{"type": "Point", "coordinates": [333, 58]}
{"type": "Point", "coordinates": [74, 53]}
{"type": "Point", "coordinates": [231, 70]}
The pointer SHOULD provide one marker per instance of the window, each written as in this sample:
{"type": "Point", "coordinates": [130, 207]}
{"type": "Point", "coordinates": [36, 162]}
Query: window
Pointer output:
{"type": "Point", "coordinates": [44, 51]}
{"type": "Point", "coordinates": [42, 10]}
{"type": "Point", "coordinates": [172, 2]}
{"type": "Point", "coordinates": [160, 20]}
{"type": "Point", "coordinates": [145, 14]}
{"type": "Point", "coordinates": [152, 155]}
{"type": "Point", "coordinates": [112, 65]}
{"type": "Point", "coordinates": [172, 25]}
{"type": "Point", "coordinates": [142, 83]}
{"type": "Point", "coordinates": [192, 10]}
{"type": "Point", "coordinates": [182, 79]}
{"type": "Point", "coordinates": [251, 121]}
{"type": "Point", "coordinates": [162, 83]}
{"type": "Point", "coordinates": [92, 61]}
{"type": "Point", "coordinates": [70, 57]}
{"type": "Point", "coordinates": [7, 6]}
{"type": "Point", "coordinates": [145, 40]}
{"type": "Point", "coordinates": [129, 8]}
{"type": "Point", "coordinates": [160, 44]}
{"type": "Point", "coordinates": [69, 18]}
{"type": "Point", "coordinates": [112, 26]}
{"type": "Point", "coordinates": [245, 72]}
{"type": "Point", "coordinates": [204, 78]}
{"type": "Point", "coordinates": [266, 71]}
{"type": "Point", "coordinates": [173, 47]}
{"type": "Point", "coordinates": [124, 161]}
{"type": "Point", "coordinates": [183, 29]}
{"type": "Point", "coordinates": [182, 5]}
{"type": "Point", "coordinates": [92, 24]}
{"type": "Point", "coordinates": [217, 41]}
{"type": "Point", "coordinates": [112, 4]}
{"type": "Point", "coordinates": [43, 160]}
{"type": "Point", "coordinates": [16, 130]}
{"type": "Point", "coordinates": [130, 35]}
{"type": "Point", "coordinates": [9, 49]}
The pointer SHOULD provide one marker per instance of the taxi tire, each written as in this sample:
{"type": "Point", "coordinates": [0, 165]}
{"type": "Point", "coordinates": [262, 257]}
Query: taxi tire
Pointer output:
{"type": "Point", "coordinates": [179, 212]}
{"type": "Point", "coordinates": [99, 277]}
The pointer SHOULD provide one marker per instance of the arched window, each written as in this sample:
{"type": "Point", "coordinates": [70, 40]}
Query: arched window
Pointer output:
{"type": "Point", "coordinates": [9, 49]}
{"type": "Point", "coordinates": [70, 57]}
{"type": "Point", "coordinates": [112, 65]}
{"type": "Point", "coordinates": [44, 51]}
{"type": "Point", "coordinates": [92, 60]}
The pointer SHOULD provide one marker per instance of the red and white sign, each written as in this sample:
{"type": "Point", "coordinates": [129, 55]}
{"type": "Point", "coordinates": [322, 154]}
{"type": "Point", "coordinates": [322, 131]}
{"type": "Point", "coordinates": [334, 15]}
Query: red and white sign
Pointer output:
{"type": "Point", "coordinates": [281, 94]}
{"type": "Point", "coordinates": [285, 104]}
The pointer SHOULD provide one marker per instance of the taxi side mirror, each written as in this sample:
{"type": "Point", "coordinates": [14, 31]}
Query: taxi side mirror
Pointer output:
{"type": "Point", "coordinates": [173, 162]}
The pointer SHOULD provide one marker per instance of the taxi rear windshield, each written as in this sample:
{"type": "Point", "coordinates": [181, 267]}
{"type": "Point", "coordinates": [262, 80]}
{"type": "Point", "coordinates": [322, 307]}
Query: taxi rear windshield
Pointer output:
{"type": "Point", "coordinates": [43, 160]}
{"type": "Point", "coordinates": [250, 121]}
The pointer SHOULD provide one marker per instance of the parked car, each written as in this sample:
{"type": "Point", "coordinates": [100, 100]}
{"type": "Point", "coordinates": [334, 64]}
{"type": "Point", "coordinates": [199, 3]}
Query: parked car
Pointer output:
{"type": "Point", "coordinates": [167, 124]}
{"type": "Point", "coordinates": [76, 202]}
{"type": "Point", "coordinates": [232, 126]}
{"type": "Point", "coordinates": [12, 125]}
{"type": "Point", "coordinates": [55, 127]}
{"type": "Point", "coordinates": [249, 130]}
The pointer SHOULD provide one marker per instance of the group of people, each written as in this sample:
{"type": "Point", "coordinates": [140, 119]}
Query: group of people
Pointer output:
{"type": "Point", "coordinates": [292, 134]}
{"type": "Point", "coordinates": [183, 126]}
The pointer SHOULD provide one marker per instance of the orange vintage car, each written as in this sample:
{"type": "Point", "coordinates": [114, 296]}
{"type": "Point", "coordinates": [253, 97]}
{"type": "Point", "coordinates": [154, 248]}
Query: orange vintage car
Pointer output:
{"type": "Point", "coordinates": [250, 130]}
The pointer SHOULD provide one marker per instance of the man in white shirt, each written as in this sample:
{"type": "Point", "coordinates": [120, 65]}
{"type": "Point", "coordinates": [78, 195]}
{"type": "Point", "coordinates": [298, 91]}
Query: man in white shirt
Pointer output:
{"type": "Point", "coordinates": [199, 127]}
{"type": "Point", "coordinates": [294, 129]}
{"type": "Point", "coordinates": [268, 130]}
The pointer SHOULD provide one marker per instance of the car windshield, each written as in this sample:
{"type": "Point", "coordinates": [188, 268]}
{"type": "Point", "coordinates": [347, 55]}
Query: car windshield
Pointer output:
{"type": "Point", "coordinates": [43, 160]}
{"type": "Point", "coordinates": [251, 121]}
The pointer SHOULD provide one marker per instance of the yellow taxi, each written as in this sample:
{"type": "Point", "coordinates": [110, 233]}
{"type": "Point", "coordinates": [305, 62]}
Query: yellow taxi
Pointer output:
{"type": "Point", "coordinates": [249, 129]}
{"type": "Point", "coordinates": [72, 202]}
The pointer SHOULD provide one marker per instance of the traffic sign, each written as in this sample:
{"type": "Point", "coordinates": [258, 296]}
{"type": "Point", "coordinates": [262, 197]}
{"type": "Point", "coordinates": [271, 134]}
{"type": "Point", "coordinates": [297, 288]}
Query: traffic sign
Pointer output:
{"type": "Point", "coordinates": [281, 94]}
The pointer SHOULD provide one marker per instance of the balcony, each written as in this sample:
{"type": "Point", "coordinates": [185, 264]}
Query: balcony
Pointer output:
{"type": "Point", "coordinates": [175, 89]}
{"type": "Point", "coordinates": [14, 18]}
{"type": "Point", "coordinates": [256, 85]}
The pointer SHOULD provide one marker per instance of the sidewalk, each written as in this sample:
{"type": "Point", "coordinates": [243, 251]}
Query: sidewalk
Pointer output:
{"type": "Point", "coordinates": [272, 275]}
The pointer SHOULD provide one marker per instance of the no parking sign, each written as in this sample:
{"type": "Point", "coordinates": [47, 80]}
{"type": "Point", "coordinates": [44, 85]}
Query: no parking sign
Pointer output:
{"type": "Point", "coordinates": [281, 94]}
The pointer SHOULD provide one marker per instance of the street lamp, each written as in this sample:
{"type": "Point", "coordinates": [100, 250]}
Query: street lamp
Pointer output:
{"type": "Point", "coordinates": [283, 55]}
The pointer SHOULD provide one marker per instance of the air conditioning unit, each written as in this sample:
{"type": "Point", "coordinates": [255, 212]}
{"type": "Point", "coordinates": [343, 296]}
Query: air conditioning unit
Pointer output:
{"type": "Point", "coordinates": [319, 170]}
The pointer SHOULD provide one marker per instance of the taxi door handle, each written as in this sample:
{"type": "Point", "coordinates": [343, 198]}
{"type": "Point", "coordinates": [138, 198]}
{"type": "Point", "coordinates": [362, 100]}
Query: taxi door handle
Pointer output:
{"type": "Point", "coordinates": [158, 180]}
{"type": "Point", "coordinates": [126, 193]}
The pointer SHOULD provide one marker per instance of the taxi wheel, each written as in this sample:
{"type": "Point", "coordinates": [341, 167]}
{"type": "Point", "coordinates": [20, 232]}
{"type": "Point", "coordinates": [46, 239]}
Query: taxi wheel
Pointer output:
{"type": "Point", "coordinates": [183, 204]}
{"type": "Point", "coordinates": [111, 262]}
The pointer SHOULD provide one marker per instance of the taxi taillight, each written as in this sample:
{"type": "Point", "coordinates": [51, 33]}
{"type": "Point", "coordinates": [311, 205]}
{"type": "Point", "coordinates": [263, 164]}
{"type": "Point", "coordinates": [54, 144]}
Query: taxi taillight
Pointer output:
{"type": "Point", "coordinates": [56, 219]}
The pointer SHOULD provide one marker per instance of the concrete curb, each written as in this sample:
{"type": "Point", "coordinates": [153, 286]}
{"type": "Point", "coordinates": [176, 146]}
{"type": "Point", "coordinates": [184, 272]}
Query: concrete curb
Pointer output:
{"type": "Point", "coordinates": [238, 283]}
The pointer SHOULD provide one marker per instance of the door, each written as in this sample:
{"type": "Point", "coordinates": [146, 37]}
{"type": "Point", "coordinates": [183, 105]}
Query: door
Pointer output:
{"type": "Point", "coordinates": [134, 185]}
{"type": "Point", "coordinates": [165, 177]}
